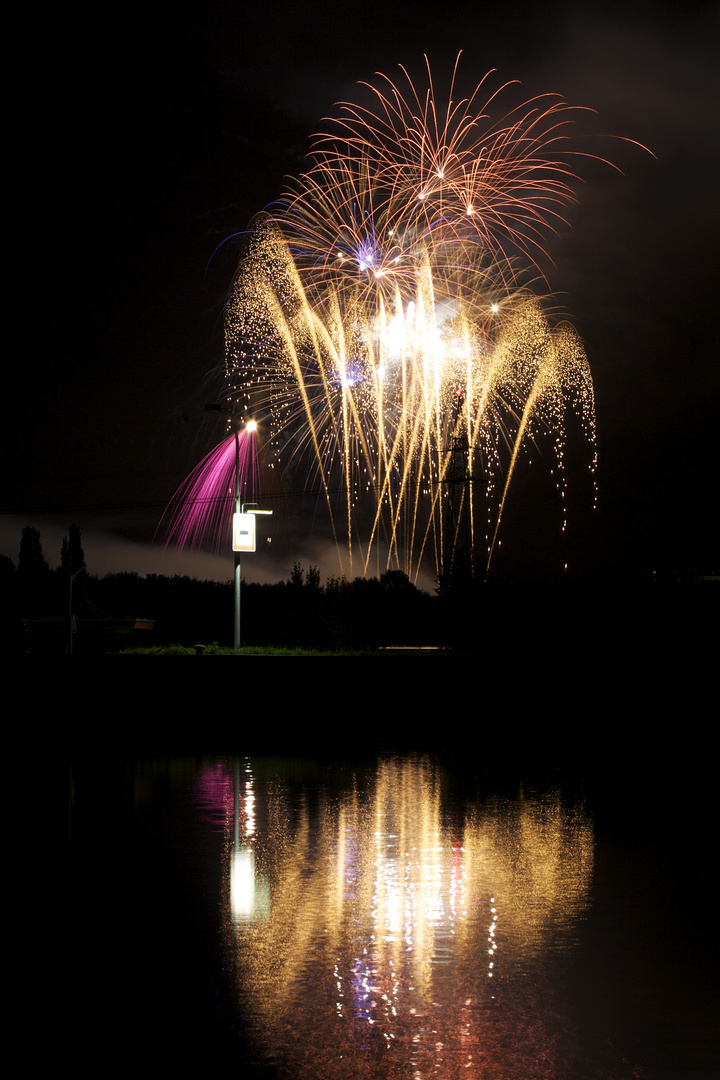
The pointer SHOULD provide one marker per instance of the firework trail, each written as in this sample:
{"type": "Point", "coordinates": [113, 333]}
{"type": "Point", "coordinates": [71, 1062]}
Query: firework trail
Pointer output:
{"type": "Point", "coordinates": [201, 508]}
{"type": "Point", "coordinates": [379, 317]}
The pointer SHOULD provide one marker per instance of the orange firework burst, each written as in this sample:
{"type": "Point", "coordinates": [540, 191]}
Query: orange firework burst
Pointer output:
{"type": "Point", "coordinates": [416, 172]}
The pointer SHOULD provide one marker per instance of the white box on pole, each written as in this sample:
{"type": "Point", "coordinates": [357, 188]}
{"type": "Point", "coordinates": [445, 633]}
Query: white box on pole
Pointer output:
{"type": "Point", "coordinates": [243, 532]}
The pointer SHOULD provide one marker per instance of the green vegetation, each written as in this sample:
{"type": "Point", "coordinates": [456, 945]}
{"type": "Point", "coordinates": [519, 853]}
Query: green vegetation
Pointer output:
{"type": "Point", "coordinates": [220, 650]}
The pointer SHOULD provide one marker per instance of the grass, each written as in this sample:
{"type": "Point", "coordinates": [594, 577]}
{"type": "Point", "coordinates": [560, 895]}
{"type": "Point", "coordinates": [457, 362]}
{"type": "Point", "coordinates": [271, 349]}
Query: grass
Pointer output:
{"type": "Point", "coordinates": [213, 649]}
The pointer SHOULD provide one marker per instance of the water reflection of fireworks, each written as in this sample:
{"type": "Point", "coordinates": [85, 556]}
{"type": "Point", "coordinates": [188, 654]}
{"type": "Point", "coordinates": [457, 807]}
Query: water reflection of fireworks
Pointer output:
{"type": "Point", "coordinates": [429, 955]}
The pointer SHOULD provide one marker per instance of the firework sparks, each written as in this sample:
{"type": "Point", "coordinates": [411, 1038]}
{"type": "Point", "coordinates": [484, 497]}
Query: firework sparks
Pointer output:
{"type": "Point", "coordinates": [378, 320]}
{"type": "Point", "coordinates": [374, 392]}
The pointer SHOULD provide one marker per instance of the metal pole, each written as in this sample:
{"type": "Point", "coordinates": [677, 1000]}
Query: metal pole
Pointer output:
{"type": "Point", "coordinates": [71, 620]}
{"type": "Point", "coordinates": [236, 636]}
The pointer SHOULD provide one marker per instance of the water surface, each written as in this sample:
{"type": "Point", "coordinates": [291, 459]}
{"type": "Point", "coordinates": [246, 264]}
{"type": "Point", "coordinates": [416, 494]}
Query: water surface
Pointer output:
{"type": "Point", "coordinates": [387, 930]}
{"type": "Point", "coordinates": [388, 917]}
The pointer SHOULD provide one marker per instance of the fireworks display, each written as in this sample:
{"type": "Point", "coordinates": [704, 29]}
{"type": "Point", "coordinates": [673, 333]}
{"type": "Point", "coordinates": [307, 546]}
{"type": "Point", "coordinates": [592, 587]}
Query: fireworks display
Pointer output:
{"type": "Point", "coordinates": [380, 331]}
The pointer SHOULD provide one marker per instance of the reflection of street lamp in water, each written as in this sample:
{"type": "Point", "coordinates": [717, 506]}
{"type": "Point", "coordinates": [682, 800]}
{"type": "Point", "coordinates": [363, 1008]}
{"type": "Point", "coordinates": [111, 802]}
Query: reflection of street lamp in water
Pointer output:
{"type": "Point", "coordinates": [249, 891]}
{"type": "Point", "coordinates": [242, 883]}
{"type": "Point", "coordinates": [249, 896]}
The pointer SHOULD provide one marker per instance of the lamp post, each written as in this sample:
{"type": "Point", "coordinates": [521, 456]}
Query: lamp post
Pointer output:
{"type": "Point", "coordinates": [72, 621]}
{"type": "Point", "coordinates": [243, 539]}
{"type": "Point", "coordinates": [243, 524]}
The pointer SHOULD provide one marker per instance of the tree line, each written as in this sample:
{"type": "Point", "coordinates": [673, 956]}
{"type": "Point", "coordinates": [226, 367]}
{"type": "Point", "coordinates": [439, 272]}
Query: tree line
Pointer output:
{"type": "Point", "coordinates": [68, 609]}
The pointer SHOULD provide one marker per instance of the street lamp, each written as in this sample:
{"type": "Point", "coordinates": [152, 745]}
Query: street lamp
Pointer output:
{"type": "Point", "coordinates": [243, 523]}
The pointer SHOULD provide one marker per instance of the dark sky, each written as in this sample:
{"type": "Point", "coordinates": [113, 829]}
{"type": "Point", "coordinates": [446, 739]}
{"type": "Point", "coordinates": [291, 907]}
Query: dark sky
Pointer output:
{"type": "Point", "coordinates": [158, 137]}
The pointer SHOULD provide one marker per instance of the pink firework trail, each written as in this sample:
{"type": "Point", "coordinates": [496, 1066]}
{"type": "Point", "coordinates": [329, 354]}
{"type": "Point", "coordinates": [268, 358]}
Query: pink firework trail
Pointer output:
{"type": "Point", "coordinates": [201, 508]}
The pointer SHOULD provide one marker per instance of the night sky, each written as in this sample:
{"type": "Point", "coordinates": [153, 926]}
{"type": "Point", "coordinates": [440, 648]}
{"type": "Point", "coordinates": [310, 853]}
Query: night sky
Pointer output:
{"type": "Point", "coordinates": [158, 137]}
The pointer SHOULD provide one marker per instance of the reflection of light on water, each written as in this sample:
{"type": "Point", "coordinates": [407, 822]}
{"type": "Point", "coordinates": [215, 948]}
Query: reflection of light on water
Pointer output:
{"type": "Point", "coordinates": [384, 931]}
{"type": "Point", "coordinates": [242, 883]}
{"type": "Point", "coordinates": [249, 892]}
{"type": "Point", "coordinates": [249, 804]}
{"type": "Point", "coordinates": [493, 944]}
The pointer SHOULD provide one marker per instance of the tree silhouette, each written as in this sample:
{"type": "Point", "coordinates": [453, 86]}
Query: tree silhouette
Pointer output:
{"type": "Point", "coordinates": [31, 560]}
{"type": "Point", "coordinates": [72, 556]}
{"type": "Point", "coordinates": [33, 573]}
